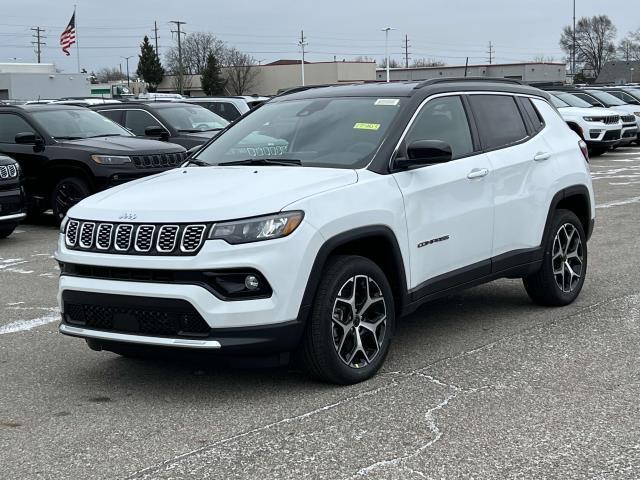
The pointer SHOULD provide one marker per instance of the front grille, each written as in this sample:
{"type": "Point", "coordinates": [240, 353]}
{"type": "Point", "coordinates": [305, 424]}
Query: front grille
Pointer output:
{"type": "Point", "coordinates": [164, 160]}
{"type": "Point", "coordinates": [145, 316]}
{"type": "Point", "coordinates": [612, 135]}
{"type": "Point", "coordinates": [135, 239]}
{"type": "Point", "coordinates": [628, 119]}
{"type": "Point", "coordinates": [8, 171]}
{"type": "Point", "coordinates": [611, 119]}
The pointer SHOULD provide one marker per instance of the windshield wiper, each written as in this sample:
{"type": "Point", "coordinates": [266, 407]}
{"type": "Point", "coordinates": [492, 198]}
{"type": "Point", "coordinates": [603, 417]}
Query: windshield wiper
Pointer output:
{"type": "Point", "coordinates": [189, 130]}
{"type": "Point", "coordinates": [68, 138]}
{"type": "Point", "coordinates": [264, 161]}
{"type": "Point", "coordinates": [200, 163]}
{"type": "Point", "coordinates": [106, 135]}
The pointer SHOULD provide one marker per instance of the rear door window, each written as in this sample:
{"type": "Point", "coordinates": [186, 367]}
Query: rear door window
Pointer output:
{"type": "Point", "coordinates": [499, 120]}
{"type": "Point", "coordinates": [536, 120]}
{"type": "Point", "coordinates": [11, 125]}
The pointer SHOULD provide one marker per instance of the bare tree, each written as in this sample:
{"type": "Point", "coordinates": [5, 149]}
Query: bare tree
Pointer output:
{"type": "Point", "coordinates": [241, 71]}
{"type": "Point", "coordinates": [364, 58]}
{"type": "Point", "coordinates": [427, 62]}
{"type": "Point", "coordinates": [181, 82]}
{"type": "Point", "coordinates": [393, 63]}
{"type": "Point", "coordinates": [196, 47]}
{"type": "Point", "coordinates": [629, 47]}
{"type": "Point", "coordinates": [543, 59]}
{"type": "Point", "coordinates": [595, 38]}
{"type": "Point", "coordinates": [109, 74]}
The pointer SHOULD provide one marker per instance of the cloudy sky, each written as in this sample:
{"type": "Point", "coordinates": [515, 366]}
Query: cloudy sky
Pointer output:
{"type": "Point", "coordinates": [448, 30]}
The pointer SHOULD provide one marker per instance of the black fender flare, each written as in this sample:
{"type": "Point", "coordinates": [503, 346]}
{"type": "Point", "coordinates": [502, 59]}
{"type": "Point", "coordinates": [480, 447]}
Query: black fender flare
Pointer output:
{"type": "Point", "coordinates": [574, 190]}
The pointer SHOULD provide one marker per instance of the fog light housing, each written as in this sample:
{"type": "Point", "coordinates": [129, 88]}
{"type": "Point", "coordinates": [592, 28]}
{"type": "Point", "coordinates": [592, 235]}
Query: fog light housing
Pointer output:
{"type": "Point", "coordinates": [241, 284]}
{"type": "Point", "coordinates": [251, 282]}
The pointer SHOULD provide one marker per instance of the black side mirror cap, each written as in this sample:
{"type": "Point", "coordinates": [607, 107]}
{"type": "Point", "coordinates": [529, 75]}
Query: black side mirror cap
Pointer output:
{"type": "Point", "coordinates": [156, 131]}
{"type": "Point", "coordinates": [28, 138]}
{"type": "Point", "coordinates": [425, 152]}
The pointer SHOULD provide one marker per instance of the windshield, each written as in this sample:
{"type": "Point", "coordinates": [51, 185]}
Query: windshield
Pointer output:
{"type": "Point", "coordinates": [558, 103]}
{"type": "Point", "coordinates": [322, 132]}
{"type": "Point", "coordinates": [192, 118]}
{"type": "Point", "coordinates": [607, 98]}
{"type": "Point", "coordinates": [572, 100]}
{"type": "Point", "coordinates": [75, 124]}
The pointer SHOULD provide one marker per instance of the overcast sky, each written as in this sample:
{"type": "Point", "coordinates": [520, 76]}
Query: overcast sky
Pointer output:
{"type": "Point", "coordinates": [448, 30]}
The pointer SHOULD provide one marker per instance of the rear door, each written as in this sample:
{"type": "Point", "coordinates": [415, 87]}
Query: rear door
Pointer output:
{"type": "Point", "coordinates": [511, 132]}
{"type": "Point", "coordinates": [449, 206]}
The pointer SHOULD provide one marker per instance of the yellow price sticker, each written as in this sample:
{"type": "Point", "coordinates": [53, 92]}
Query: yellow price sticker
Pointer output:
{"type": "Point", "coordinates": [367, 126]}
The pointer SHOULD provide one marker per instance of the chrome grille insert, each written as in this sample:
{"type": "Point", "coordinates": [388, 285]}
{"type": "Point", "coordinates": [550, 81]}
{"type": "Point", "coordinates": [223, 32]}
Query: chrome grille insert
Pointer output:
{"type": "Point", "coordinates": [144, 238]}
{"type": "Point", "coordinates": [167, 238]}
{"type": "Point", "coordinates": [123, 237]}
{"type": "Point", "coordinates": [103, 237]}
{"type": "Point", "coordinates": [192, 238]}
{"type": "Point", "coordinates": [87, 232]}
{"type": "Point", "coordinates": [8, 171]}
{"type": "Point", "coordinates": [71, 238]}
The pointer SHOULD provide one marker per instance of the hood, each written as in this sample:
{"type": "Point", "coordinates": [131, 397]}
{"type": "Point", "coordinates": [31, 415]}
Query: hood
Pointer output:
{"type": "Point", "coordinates": [626, 109]}
{"type": "Point", "coordinates": [122, 146]}
{"type": "Point", "coordinates": [586, 112]}
{"type": "Point", "coordinates": [205, 194]}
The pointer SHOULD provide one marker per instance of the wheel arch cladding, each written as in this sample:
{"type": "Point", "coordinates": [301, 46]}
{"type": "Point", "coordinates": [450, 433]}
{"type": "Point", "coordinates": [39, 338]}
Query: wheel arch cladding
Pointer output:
{"type": "Point", "coordinates": [575, 199]}
{"type": "Point", "coordinates": [377, 243]}
{"type": "Point", "coordinates": [69, 168]}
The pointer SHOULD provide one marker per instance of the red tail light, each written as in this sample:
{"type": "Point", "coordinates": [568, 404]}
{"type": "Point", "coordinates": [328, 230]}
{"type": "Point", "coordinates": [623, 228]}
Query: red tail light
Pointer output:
{"type": "Point", "coordinates": [585, 150]}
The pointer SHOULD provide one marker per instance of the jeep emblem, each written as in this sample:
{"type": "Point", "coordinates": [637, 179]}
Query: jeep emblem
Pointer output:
{"type": "Point", "coordinates": [128, 216]}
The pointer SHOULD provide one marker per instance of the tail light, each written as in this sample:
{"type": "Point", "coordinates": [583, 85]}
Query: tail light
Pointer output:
{"type": "Point", "coordinates": [585, 150]}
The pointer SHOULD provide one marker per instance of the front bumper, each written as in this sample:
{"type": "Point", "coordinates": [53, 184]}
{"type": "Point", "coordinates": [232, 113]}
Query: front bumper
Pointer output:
{"type": "Point", "coordinates": [12, 205]}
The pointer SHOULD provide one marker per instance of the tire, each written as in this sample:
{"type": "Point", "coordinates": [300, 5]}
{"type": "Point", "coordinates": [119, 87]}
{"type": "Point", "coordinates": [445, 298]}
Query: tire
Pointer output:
{"type": "Point", "coordinates": [597, 151]}
{"type": "Point", "coordinates": [66, 194]}
{"type": "Point", "coordinates": [7, 229]}
{"type": "Point", "coordinates": [330, 350]}
{"type": "Point", "coordinates": [564, 264]}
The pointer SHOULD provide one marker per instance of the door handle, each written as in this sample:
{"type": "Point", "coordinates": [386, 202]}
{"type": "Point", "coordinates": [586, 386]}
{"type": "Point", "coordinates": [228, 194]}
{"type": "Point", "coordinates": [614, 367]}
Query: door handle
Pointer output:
{"type": "Point", "coordinates": [541, 156]}
{"type": "Point", "coordinates": [478, 173]}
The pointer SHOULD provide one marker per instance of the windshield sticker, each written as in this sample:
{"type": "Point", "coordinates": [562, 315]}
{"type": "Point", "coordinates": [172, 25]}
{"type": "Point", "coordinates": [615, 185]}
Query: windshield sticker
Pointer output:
{"type": "Point", "coordinates": [387, 102]}
{"type": "Point", "coordinates": [367, 126]}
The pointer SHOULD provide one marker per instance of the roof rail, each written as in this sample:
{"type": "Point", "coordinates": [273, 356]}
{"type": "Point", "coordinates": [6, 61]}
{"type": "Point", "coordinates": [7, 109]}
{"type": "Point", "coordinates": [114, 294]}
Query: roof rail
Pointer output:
{"type": "Point", "coordinates": [435, 81]}
{"type": "Point", "coordinates": [303, 88]}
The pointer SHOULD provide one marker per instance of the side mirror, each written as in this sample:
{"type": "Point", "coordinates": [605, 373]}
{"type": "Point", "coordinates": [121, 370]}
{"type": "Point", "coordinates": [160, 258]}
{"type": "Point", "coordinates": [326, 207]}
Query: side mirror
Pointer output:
{"type": "Point", "coordinates": [29, 138]}
{"type": "Point", "coordinates": [156, 131]}
{"type": "Point", "coordinates": [425, 152]}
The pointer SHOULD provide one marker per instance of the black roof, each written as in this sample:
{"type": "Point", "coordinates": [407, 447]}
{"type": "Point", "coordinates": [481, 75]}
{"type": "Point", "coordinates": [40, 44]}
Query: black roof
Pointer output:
{"type": "Point", "coordinates": [409, 89]}
{"type": "Point", "coordinates": [41, 107]}
{"type": "Point", "coordinates": [150, 104]}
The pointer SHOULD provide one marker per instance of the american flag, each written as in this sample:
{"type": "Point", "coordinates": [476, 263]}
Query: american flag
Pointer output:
{"type": "Point", "coordinates": [68, 37]}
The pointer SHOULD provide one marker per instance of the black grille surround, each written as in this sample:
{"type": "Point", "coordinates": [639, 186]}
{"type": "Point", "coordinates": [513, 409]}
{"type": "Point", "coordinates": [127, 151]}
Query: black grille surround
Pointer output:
{"type": "Point", "coordinates": [136, 238]}
{"type": "Point", "coordinates": [162, 317]}
{"type": "Point", "coordinates": [8, 171]}
{"type": "Point", "coordinates": [159, 161]}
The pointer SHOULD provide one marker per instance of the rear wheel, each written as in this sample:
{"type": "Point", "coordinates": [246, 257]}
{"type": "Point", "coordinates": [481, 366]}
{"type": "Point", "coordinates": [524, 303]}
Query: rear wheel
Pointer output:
{"type": "Point", "coordinates": [7, 229]}
{"type": "Point", "coordinates": [66, 194]}
{"type": "Point", "coordinates": [351, 324]}
{"type": "Point", "coordinates": [564, 265]}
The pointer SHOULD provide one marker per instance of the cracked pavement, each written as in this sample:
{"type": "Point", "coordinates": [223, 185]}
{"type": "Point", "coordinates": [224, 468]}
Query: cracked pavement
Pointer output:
{"type": "Point", "coordinates": [482, 384]}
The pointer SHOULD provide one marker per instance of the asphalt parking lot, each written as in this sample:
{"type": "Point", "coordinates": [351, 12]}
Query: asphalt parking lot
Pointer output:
{"type": "Point", "coordinates": [482, 384]}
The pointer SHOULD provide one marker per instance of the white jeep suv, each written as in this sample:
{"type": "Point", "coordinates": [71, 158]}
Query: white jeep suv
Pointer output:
{"type": "Point", "coordinates": [317, 220]}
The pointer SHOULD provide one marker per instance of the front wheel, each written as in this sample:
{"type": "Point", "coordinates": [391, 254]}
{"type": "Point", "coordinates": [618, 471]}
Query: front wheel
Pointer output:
{"type": "Point", "coordinates": [564, 264]}
{"type": "Point", "coordinates": [7, 229]}
{"type": "Point", "coordinates": [66, 194]}
{"type": "Point", "coordinates": [352, 322]}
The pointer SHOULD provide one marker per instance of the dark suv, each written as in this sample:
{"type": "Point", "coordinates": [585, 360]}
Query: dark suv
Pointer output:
{"type": "Point", "coordinates": [185, 124]}
{"type": "Point", "coordinates": [68, 153]}
{"type": "Point", "coordinates": [12, 208]}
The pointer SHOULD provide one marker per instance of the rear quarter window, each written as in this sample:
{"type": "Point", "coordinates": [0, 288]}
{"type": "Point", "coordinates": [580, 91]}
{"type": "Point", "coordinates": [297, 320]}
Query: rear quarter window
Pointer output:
{"type": "Point", "coordinates": [499, 121]}
{"type": "Point", "coordinates": [536, 120]}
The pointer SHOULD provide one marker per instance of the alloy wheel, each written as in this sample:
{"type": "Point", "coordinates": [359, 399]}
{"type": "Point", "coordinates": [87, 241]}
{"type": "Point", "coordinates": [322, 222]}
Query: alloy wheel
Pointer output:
{"type": "Point", "coordinates": [567, 258]}
{"type": "Point", "coordinates": [67, 195]}
{"type": "Point", "coordinates": [359, 321]}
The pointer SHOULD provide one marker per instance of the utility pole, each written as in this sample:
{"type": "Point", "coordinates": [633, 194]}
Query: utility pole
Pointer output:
{"type": "Point", "coordinates": [180, 68]}
{"type": "Point", "coordinates": [466, 67]}
{"type": "Point", "coordinates": [406, 51]}
{"type": "Point", "coordinates": [127, 59]}
{"type": "Point", "coordinates": [573, 48]}
{"type": "Point", "coordinates": [302, 43]}
{"type": "Point", "coordinates": [491, 52]}
{"type": "Point", "coordinates": [155, 28]}
{"type": "Point", "coordinates": [386, 31]}
{"type": "Point", "coordinates": [38, 42]}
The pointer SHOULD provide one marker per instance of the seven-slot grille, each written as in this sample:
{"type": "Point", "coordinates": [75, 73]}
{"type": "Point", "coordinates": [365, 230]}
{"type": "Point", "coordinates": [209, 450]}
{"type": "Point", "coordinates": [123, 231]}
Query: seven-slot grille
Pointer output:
{"type": "Point", "coordinates": [164, 160]}
{"type": "Point", "coordinates": [135, 239]}
{"type": "Point", "coordinates": [8, 171]}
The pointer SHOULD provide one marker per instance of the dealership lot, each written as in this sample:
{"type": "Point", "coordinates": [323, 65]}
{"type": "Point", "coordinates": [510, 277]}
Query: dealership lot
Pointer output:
{"type": "Point", "coordinates": [482, 384]}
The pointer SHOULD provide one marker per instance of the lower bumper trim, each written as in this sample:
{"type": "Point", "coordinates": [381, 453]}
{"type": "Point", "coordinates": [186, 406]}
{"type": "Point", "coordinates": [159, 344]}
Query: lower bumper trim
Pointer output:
{"type": "Point", "coordinates": [17, 216]}
{"type": "Point", "coordinates": [139, 339]}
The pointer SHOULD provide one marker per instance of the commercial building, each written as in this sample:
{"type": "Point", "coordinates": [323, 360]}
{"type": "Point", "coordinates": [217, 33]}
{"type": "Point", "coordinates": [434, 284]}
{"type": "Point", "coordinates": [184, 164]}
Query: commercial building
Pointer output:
{"type": "Point", "coordinates": [282, 74]}
{"type": "Point", "coordinates": [31, 81]}
{"type": "Point", "coordinates": [620, 72]}
{"type": "Point", "coordinates": [534, 72]}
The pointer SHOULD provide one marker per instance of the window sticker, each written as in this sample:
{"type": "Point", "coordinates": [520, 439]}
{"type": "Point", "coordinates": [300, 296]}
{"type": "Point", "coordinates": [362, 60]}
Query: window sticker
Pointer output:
{"type": "Point", "coordinates": [387, 102]}
{"type": "Point", "coordinates": [367, 126]}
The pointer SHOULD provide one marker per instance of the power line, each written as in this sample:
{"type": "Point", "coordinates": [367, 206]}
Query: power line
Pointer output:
{"type": "Point", "coordinates": [38, 43]}
{"type": "Point", "coordinates": [180, 33]}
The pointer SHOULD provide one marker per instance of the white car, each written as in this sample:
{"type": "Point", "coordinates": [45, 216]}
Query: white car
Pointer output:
{"type": "Point", "coordinates": [311, 225]}
{"type": "Point", "coordinates": [600, 128]}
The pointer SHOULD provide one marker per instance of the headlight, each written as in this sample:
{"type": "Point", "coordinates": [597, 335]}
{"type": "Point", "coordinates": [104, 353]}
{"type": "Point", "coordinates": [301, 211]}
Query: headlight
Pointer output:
{"type": "Point", "coordinates": [257, 229]}
{"type": "Point", "coordinates": [110, 159]}
{"type": "Point", "coordinates": [637, 114]}
{"type": "Point", "coordinates": [592, 119]}
{"type": "Point", "coordinates": [63, 224]}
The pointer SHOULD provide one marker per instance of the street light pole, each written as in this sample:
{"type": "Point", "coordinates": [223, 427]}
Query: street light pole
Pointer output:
{"type": "Point", "coordinates": [573, 50]}
{"type": "Point", "coordinates": [127, 59]}
{"type": "Point", "coordinates": [632, 69]}
{"type": "Point", "coordinates": [386, 31]}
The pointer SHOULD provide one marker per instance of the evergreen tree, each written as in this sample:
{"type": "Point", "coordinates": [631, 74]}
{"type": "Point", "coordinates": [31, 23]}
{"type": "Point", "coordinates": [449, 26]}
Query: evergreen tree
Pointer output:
{"type": "Point", "coordinates": [149, 66]}
{"type": "Point", "coordinates": [211, 80]}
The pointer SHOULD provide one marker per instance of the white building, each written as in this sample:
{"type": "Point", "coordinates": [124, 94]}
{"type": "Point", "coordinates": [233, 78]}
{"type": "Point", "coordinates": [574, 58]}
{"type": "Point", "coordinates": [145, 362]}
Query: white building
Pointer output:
{"type": "Point", "coordinates": [31, 81]}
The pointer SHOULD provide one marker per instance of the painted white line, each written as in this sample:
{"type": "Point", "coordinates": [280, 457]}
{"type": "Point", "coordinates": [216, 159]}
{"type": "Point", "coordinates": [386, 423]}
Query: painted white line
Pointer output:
{"type": "Point", "coordinates": [24, 325]}
{"type": "Point", "coordinates": [619, 203]}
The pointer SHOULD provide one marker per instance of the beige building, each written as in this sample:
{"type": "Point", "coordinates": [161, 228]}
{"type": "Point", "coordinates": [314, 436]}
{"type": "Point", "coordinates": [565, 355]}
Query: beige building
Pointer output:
{"type": "Point", "coordinates": [283, 74]}
{"type": "Point", "coordinates": [534, 72]}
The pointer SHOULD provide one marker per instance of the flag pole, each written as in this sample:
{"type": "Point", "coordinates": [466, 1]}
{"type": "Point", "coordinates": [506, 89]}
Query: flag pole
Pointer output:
{"type": "Point", "coordinates": [75, 15]}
